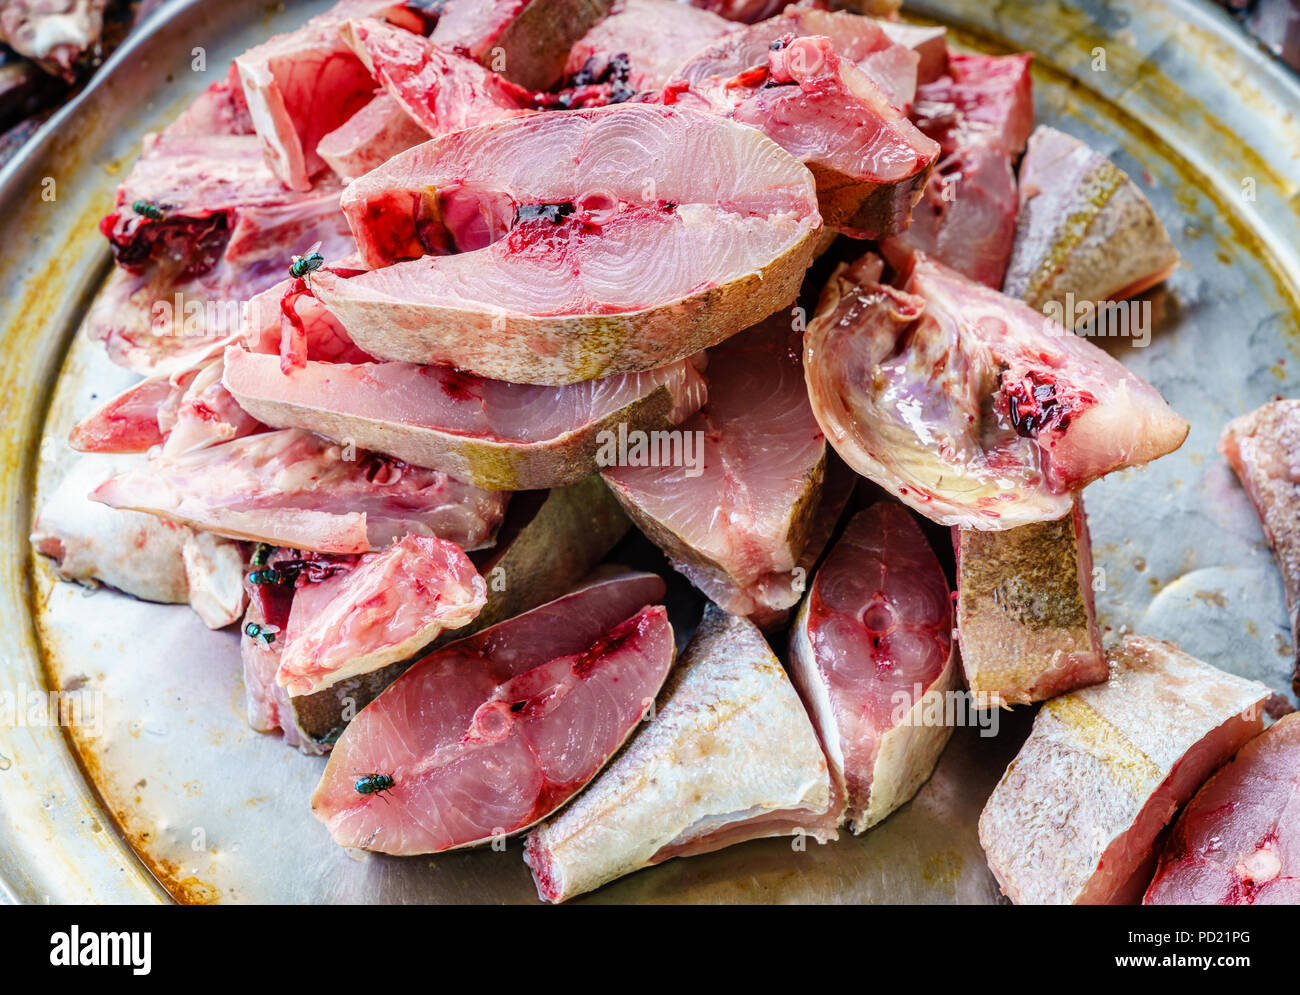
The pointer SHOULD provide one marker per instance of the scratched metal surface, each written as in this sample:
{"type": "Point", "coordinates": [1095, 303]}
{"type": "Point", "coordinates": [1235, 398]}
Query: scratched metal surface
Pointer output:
{"type": "Point", "coordinates": [170, 794]}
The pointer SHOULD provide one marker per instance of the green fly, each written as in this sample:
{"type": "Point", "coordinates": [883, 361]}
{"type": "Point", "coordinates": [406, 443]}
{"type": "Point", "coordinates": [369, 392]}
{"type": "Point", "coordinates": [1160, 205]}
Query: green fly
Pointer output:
{"type": "Point", "coordinates": [374, 784]}
{"type": "Point", "coordinates": [253, 630]}
{"type": "Point", "coordinates": [147, 210]}
{"type": "Point", "coordinates": [302, 265]}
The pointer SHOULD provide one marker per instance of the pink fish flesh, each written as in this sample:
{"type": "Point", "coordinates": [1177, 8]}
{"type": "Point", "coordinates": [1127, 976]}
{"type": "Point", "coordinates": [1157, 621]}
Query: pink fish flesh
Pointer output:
{"type": "Point", "coordinates": [870, 653]}
{"type": "Point", "coordinates": [370, 137]}
{"type": "Point", "coordinates": [491, 734]}
{"type": "Point", "coordinates": [1238, 840]}
{"type": "Point", "coordinates": [968, 405]}
{"type": "Point", "coordinates": [292, 488]}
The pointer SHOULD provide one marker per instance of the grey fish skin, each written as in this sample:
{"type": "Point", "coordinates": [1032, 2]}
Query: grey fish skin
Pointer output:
{"type": "Point", "coordinates": [729, 756]}
{"type": "Point", "coordinates": [1105, 769]}
{"type": "Point", "coordinates": [1264, 450]}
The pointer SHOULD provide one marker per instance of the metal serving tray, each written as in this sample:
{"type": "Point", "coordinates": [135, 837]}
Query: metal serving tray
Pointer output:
{"type": "Point", "coordinates": [164, 793]}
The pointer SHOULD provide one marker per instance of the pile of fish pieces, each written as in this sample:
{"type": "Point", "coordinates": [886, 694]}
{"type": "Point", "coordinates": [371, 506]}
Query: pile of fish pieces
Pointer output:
{"type": "Point", "coordinates": [521, 275]}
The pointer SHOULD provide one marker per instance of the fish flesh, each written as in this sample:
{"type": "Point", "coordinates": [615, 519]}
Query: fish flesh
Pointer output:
{"type": "Point", "coordinates": [385, 607]}
{"type": "Point", "coordinates": [1085, 230]}
{"type": "Point", "coordinates": [292, 488]}
{"type": "Point", "coordinates": [860, 40]}
{"type": "Point", "coordinates": [1075, 816]}
{"type": "Point", "coordinates": [637, 47]}
{"type": "Point", "coordinates": [1025, 614]}
{"type": "Point", "coordinates": [370, 137]}
{"type": "Point", "coordinates": [491, 734]}
{"type": "Point", "coordinates": [496, 435]}
{"type": "Point", "coordinates": [137, 554]}
{"type": "Point", "coordinates": [583, 271]}
{"type": "Point", "coordinates": [929, 42]}
{"type": "Point", "coordinates": [735, 510]}
{"type": "Point", "coordinates": [181, 412]}
{"type": "Point", "coordinates": [549, 541]}
{"type": "Point", "coordinates": [968, 405]}
{"type": "Point", "coordinates": [441, 91]}
{"type": "Point", "coordinates": [527, 41]}
{"type": "Point", "coordinates": [302, 85]}
{"type": "Point", "coordinates": [872, 656]}
{"type": "Point", "coordinates": [869, 161]}
{"type": "Point", "coordinates": [1262, 448]}
{"type": "Point", "coordinates": [1236, 842]}
{"type": "Point", "coordinates": [980, 111]}
{"type": "Point", "coordinates": [729, 756]}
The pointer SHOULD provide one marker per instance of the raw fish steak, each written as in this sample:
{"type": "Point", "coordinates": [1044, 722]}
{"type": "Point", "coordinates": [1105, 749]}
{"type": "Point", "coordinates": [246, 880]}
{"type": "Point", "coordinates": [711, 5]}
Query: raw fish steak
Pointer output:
{"type": "Point", "coordinates": [491, 734]}
{"type": "Point", "coordinates": [604, 241]}
{"type": "Point", "coordinates": [1238, 840]}
{"type": "Point", "coordinates": [1264, 449]}
{"type": "Point", "coordinates": [980, 112]}
{"type": "Point", "coordinates": [638, 46]}
{"type": "Point", "coordinates": [804, 93]}
{"type": "Point", "coordinates": [384, 608]}
{"type": "Point", "coordinates": [302, 85]}
{"type": "Point", "coordinates": [736, 509]}
{"type": "Point", "coordinates": [496, 435]}
{"type": "Point", "coordinates": [549, 541]}
{"type": "Point", "coordinates": [1025, 613]}
{"type": "Point", "coordinates": [872, 656]}
{"type": "Point", "coordinates": [1076, 815]}
{"type": "Point", "coordinates": [729, 756]}
{"type": "Point", "coordinates": [527, 41]}
{"type": "Point", "coordinates": [1085, 229]}
{"type": "Point", "coordinates": [440, 90]}
{"type": "Point", "coordinates": [292, 488]}
{"type": "Point", "coordinates": [970, 406]}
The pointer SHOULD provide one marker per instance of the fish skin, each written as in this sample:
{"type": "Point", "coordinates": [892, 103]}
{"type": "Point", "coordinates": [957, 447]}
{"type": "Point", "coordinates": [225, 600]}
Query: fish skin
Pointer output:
{"type": "Point", "coordinates": [466, 769]}
{"type": "Point", "coordinates": [742, 523]}
{"type": "Point", "coordinates": [461, 424]}
{"type": "Point", "coordinates": [877, 761]}
{"type": "Point", "coordinates": [1236, 841]}
{"type": "Point", "coordinates": [1074, 818]}
{"type": "Point", "coordinates": [729, 755]}
{"type": "Point", "coordinates": [1262, 447]}
{"type": "Point", "coordinates": [968, 346]}
{"type": "Point", "coordinates": [1084, 228]}
{"type": "Point", "coordinates": [554, 288]}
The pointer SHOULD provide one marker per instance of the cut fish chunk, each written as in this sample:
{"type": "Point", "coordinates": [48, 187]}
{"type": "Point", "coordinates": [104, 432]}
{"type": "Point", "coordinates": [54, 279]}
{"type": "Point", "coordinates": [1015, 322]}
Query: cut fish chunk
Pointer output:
{"type": "Point", "coordinates": [1025, 612]}
{"type": "Point", "coordinates": [440, 90]}
{"type": "Point", "coordinates": [491, 734]}
{"type": "Point", "coordinates": [968, 405]}
{"type": "Point", "coordinates": [639, 44]}
{"type": "Point", "coordinates": [734, 509]}
{"type": "Point", "coordinates": [616, 258]}
{"type": "Point", "coordinates": [302, 85]}
{"type": "Point", "coordinates": [1075, 816]}
{"type": "Point", "coordinates": [527, 41]}
{"type": "Point", "coordinates": [549, 541]}
{"type": "Point", "coordinates": [869, 161]}
{"type": "Point", "coordinates": [138, 554]}
{"type": "Point", "coordinates": [1238, 840]}
{"type": "Point", "coordinates": [491, 434]}
{"type": "Point", "coordinates": [729, 756]}
{"type": "Point", "coordinates": [384, 608]}
{"type": "Point", "coordinates": [370, 137]}
{"type": "Point", "coordinates": [292, 488]}
{"type": "Point", "coordinates": [1085, 229]}
{"type": "Point", "coordinates": [1263, 448]}
{"type": "Point", "coordinates": [871, 654]}
{"type": "Point", "coordinates": [980, 112]}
